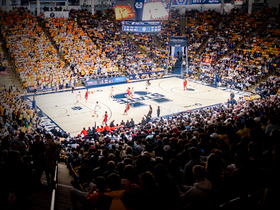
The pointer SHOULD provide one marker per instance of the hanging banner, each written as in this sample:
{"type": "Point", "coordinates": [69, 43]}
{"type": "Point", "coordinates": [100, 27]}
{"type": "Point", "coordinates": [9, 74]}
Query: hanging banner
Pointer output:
{"type": "Point", "coordinates": [191, 2]}
{"type": "Point", "coordinates": [104, 81]}
{"type": "Point", "coordinates": [178, 41]}
{"type": "Point", "coordinates": [57, 14]}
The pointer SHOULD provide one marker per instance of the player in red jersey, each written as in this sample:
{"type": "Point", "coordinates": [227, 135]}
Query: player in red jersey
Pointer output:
{"type": "Point", "coordinates": [128, 93]}
{"type": "Point", "coordinates": [86, 95]}
{"type": "Point", "coordinates": [105, 118]}
{"type": "Point", "coordinates": [126, 108]}
{"type": "Point", "coordinates": [185, 82]}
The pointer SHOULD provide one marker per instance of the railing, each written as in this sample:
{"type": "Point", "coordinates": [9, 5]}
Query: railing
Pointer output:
{"type": "Point", "coordinates": [55, 185]}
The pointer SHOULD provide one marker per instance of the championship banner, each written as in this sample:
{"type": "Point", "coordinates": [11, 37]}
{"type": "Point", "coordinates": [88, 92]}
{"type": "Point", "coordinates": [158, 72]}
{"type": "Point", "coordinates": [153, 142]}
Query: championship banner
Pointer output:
{"type": "Point", "coordinates": [56, 14]}
{"type": "Point", "coordinates": [148, 75]}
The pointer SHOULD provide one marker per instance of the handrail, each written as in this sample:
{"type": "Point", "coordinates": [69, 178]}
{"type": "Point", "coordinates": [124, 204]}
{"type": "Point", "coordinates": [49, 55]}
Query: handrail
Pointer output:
{"type": "Point", "coordinates": [55, 181]}
{"type": "Point", "coordinates": [53, 200]}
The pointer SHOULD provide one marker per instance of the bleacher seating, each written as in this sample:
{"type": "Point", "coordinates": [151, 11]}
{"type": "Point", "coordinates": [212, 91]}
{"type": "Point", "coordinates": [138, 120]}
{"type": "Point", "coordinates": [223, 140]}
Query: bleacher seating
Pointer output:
{"type": "Point", "coordinates": [225, 155]}
{"type": "Point", "coordinates": [35, 59]}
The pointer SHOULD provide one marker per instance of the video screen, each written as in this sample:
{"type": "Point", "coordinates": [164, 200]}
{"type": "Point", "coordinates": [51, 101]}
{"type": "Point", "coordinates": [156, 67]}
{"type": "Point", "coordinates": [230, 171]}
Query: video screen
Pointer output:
{"type": "Point", "coordinates": [124, 10]}
{"type": "Point", "coordinates": [156, 10]}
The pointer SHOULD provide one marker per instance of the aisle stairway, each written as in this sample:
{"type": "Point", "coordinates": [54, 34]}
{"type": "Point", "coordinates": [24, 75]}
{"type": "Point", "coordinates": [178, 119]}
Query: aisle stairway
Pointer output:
{"type": "Point", "coordinates": [177, 68]}
{"type": "Point", "coordinates": [208, 37]}
{"type": "Point", "coordinates": [41, 23]}
{"type": "Point", "coordinates": [10, 78]}
{"type": "Point", "coordinates": [64, 187]}
{"type": "Point", "coordinates": [41, 199]}
{"type": "Point", "coordinates": [182, 24]}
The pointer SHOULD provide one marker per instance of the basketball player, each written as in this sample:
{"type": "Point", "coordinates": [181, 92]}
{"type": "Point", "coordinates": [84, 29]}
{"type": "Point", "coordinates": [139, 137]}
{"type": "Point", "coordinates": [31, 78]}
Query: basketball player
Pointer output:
{"type": "Point", "coordinates": [128, 93]}
{"type": "Point", "coordinates": [132, 93]}
{"type": "Point", "coordinates": [86, 95]}
{"type": "Point", "coordinates": [112, 94]}
{"type": "Point", "coordinates": [78, 97]}
{"type": "Point", "coordinates": [185, 82]}
{"type": "Point", "coordinates": [126, 108]}
{"type": "Point", "coordinates": [96, 109]}
{"type": "Point", "coordinates": [105, 118]}
{"type": "Point", "coordinates": [147, 85]}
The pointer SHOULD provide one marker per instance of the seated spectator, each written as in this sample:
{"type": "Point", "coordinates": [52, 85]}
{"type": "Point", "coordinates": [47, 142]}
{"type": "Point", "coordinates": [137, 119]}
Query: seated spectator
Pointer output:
{"type": "Point", "coordinates": [115, 198]}
{"type": "Point", "coordinates": [88, 199]}
{"type": "Point", "coordinates": [271, 125]}
{"type": "Point", "coordinates": [130, 180]}
{"type": "Point", "coordinates": [199, 194]}
{"type": "Point", "coordinates": [150, 195]}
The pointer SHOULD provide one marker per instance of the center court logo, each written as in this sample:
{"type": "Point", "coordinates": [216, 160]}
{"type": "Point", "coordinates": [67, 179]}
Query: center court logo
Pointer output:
{"type": "Point", "coordinates": [76, 108]}
{"type": "Point", "coordinates": [140, 97]}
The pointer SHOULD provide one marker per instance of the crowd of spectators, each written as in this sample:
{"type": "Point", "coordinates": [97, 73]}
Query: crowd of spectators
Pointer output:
{"type": "Point", "coordinates": [198, 26]}
{"type": "Point", "coordinates": [170, 27]}
{"type": "Point", "coordinates": [34, 57]}
{"type": "Point", "coordinates": [271, 86]}
{"type": "Point", "coordinates": [77, 48]}
{"type": "Point", "coordinates": [106, 32]}
{"type": "Point", "coordinates": [26, 151]}
{"type": "Point", "coordinates": [15, 111]}
{"type": "Point", "coordinates": [212, 155]}
{"type": "Point", "coordinates": [199, 158]}
{"type": "Point", "coordinates": [254, 57]}
{"type": "Point", "coordinates": [157, 48]}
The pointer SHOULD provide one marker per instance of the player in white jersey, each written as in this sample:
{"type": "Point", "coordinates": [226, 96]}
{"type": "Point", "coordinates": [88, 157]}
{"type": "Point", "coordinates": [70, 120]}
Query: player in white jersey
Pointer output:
{"type": "Point", "coordinates": [96, 109]}
{"type": "Point", "coordinates": [131, 92]}
{"type": "Point", "coordinates": [147, 85]}
{"type": "Point", "coordinates": [112, 92]}
{"type": "Point", "coordinates": [78, 97]}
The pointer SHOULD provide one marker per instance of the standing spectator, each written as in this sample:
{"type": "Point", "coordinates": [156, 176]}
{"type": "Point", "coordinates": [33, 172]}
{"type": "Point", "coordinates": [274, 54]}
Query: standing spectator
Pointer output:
{"type": "Point", "coordinates": [232, 96]}
{"type": "Point", "coordinates": [150, 111]}
{"type": "Point", "coordinates": [158, 111]}
{"type": "Point", "coordinates": [271, 125]}
{"type": "Point", "coordinates": [50, 158]}
{"type": "Point", "coordinates": [194, 154]}
{"type": "Point", "coordinates": [112, 124]}
{"type": "Point", "coordinates": [19, 144]}
{"type": "Point", "coordinates": [72, 86]}
{"type": "Point", "coordinates": [37, 150]}
{"type": "Point", "coordinates": [132, 123]}
{"type": "Point", "coordinates": [84, 132]}
{"type": "Point", "coordinates": [54, 131]}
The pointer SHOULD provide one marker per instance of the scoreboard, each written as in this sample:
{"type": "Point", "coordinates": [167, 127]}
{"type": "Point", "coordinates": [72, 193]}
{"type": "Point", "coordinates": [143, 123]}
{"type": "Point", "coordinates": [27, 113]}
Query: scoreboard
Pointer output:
{"type": "Point", "coordinates": [141, 27]}
{"type": "Point", "coordinates": [142, 16]}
